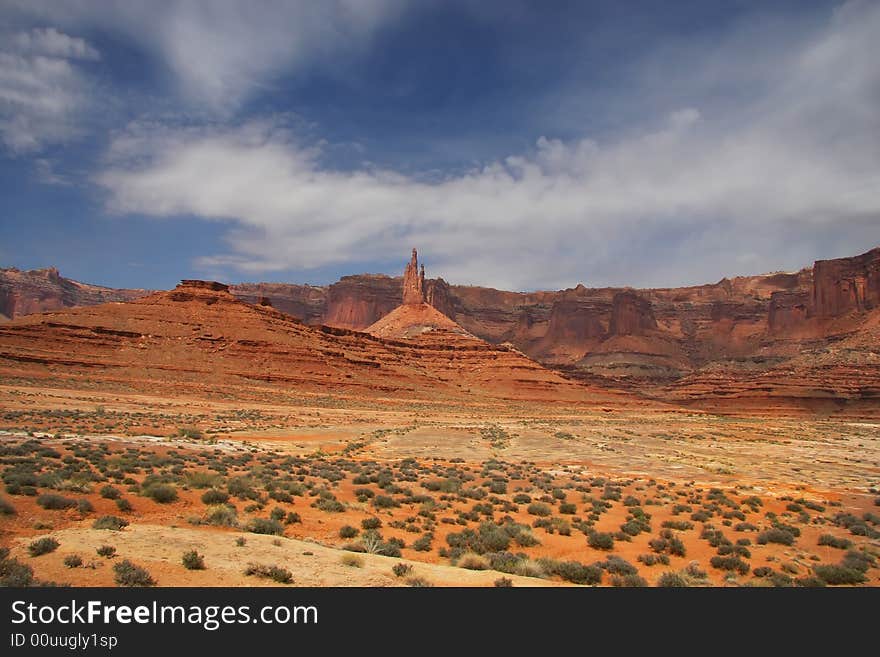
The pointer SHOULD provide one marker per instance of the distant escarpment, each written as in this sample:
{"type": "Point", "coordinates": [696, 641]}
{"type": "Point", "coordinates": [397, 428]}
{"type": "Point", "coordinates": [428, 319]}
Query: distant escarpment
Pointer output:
{"type": "Point", "coordinates": [796, 340]}
{"type": "Point", "coordinates": [38, 290]}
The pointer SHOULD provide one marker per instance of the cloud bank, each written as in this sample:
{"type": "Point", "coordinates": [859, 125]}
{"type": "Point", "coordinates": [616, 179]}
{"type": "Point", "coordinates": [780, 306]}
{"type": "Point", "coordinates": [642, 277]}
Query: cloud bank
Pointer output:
{"type": "Point", "coordinates": [788, 170]}
{"type": "Point", "coordinates": [43, 89]}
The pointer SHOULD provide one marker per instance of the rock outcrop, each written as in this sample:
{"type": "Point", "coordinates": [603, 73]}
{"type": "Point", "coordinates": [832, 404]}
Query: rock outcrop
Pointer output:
{"type": "Point", "coordinates": [38, 290]}
{"type": "Point", "coordinates": [846, 284]}
{"type": "Point", "coordinates": [631, 315]}
{"type": "Point", "coordinates": [414, 281]}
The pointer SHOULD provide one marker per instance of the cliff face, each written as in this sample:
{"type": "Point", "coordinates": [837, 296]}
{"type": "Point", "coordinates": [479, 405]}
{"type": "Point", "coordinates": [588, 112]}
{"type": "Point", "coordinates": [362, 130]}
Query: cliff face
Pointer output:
{"type": "Point", "coordinates": [631, 315]}
{"type": "Point", "coordinates": [846, 284]}
{"type": "Point", "coordinates": [705, 337]}
{"type": "Point", "coordinates": [38, 290]}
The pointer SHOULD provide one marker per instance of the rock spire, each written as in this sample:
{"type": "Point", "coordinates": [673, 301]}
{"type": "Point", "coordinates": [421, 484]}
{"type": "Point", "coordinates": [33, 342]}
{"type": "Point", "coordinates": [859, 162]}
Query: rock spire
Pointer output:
{"type": "Point", "coordinates": [414, 281]}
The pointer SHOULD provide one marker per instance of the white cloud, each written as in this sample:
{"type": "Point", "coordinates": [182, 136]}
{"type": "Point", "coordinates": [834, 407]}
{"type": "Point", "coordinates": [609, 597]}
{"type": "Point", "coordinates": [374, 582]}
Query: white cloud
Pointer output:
{"type": "Point", "coordinates": [43, 91]}
{"type": "Point", "coordinates": [221, 52]}
{"type": "Point", "coordinates": [785, 173]}
{"type": "Point", "coordinates": [52, 43]}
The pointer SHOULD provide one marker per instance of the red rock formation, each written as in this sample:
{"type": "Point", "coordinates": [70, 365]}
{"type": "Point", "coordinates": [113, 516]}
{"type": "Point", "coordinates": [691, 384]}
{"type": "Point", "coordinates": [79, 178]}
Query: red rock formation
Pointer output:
{"type": "Point", "coordinates": [355, 302]}
{"type": "Point", "coordinates": [788, 310]}
{"type": "Point", "coordinates": [437, 294]}
{"type": "Point", "coordinates": [200, 340]}
{"type": "Point", "coordinates": [38, 290]}
{"type": "Point", "coordinates": [413, 281]}
{"type": "Point", "coordinates": [846, 284]}
{"type": "Point", "coordinates": [631, 315]}
{"type": "Point", "coordinates": [307, 302]}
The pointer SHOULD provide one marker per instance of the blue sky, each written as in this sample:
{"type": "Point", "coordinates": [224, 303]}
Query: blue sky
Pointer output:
{"type": "Point", "coordinates": [522, 145]}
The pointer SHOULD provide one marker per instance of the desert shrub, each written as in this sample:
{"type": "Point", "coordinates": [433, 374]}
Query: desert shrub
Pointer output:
{"type": "Point", "coordinates": [652, 559]}
{"type": "Point", "coordinates": [43, 545]}
{"type": "Point", "coordinates": [629, 500]}
{"type": "Point", "coordinates": [352, 561]}
{"type": "Point", "coordinates": [6, 507]}
{"type": "Point", "coordinates": [192, 560]}
{"type": "Point", "coordinates": [221, 516]}
{"type": "Point", "coordinates": [503, 582]}
{"type": "Point", "coordinates": [347, 531]}
{"type": "Point", "coordinates": [73, 561]}
{"type": "Point", "coordinates": [84, 506]}
{"type": "Point", "coordinates": [114, 523]}
{"type": "Point", "coordinates": [214, 496]}
{"type": "Point", "coordinates": [629, 581]}
{"type": "Point", "coordinates": [241, 541]}
{"type": "Point", "coordinates": [110, 493]}
{"type": "Point", "coordinates": [402, 569]}
{"type": "Point", "coordinates": [275, 573]}
{"type": "Point", "coordinates": [762, 571]}
{"type": "Point", "coordinates": [123, 505]}
{"type": "Point", "coordinates": [522, 498]}
{"type": "Point", "coordinates": [572, 571]}
{"type": "Point", "coordinates": [161, 493]}
{"type": "Point", "coordinates": [860, 561]}
{"type": "Point", "coordinates": [418, 582]}
{"type": "Point", "coordinates": [371, 523]}
{"type": "Point", "coordinates": [745, 527]}
{"type": "Point", "coordinates": [292, 518]}
{"type": "Point", "coordinates": [472, 561]}
{"type": "Point", "coordinates": [128, 574]}
{"type": "Point", "coordinates": [700, 516]}
{"type": "Point", "coordinates": [106, 551]}
{"type": "Point", "coordinates": [680, 525]}
{"type": "Point", "coordinates": [731, 563]}
{"type": "Point", "coordinates": [423, 543]}
{"type": "Point", "coordinates": [670, 579]}
{"type": "Point", "coordinates": [539, 509]}
{"type": "Point", "coordinates": [810, 582]}
{"type": "Point", "coordinates": [838, 574]}
{"type": "Point", "coordinates": [567, 508]}
{"type": "Point", "coordinates": [833, 541]}
{"type": "Point", "coordinates": [13, 573]}
{"type": "Point", "coordinates": [618, 566]}
{"type": "Point", "coordinates": [242, 488]}
{"type": "Point", "coordinates": [384, 502]}
{"type": "Point", "coordinates": [265, 526]}
{"type": "Point", "coordinates": [775, 535]}
{"type": "Point", "coordinates": [55, 502]}
{"type": "Point", "coordinates": [600, 541]}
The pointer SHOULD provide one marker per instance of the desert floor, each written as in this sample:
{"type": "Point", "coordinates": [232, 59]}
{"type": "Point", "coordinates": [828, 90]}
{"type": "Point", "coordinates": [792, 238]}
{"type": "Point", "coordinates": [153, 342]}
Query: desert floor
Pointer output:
{"type": "Point", "coordinates": [338, 492]}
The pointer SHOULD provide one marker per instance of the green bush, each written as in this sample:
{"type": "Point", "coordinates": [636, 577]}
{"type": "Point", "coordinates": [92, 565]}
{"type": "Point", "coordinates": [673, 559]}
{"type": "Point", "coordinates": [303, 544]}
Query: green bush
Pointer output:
{"type": "Point", "coordinates": [503, 582]}
{"type": "Point", "coordinates": [114, 523]}
{"type": "Point", "coordinates": [192, 560]}
{"type": "Point", "coordinates": [43, 545]}
{"type": "Point", "coordinates": [522, 498]}
{"type": "Point", "coordinates": [84, 506]}
{"type": "Point", "coordinates": [161, 493]}
{"type": "Point", "coordinates": [6, 507]}
{"type": "Point", "coordinates": [55, 502]}
{"type": "Point", "coordinates": [128, 574]}
{"type": "Point", "coordinates": [567, 508]}
{"type": "Point", "coordinates": [221, 516]}
{"type": "Point", "coordinates": [572, 571]}
{"type": "Point", "coordinates": [123, 505]}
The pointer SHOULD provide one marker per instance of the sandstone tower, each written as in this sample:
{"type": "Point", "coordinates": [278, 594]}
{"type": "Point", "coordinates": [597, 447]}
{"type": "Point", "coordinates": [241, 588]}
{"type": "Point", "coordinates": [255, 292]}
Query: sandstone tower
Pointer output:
{"type": "Point", "coordinates": [414, 281]}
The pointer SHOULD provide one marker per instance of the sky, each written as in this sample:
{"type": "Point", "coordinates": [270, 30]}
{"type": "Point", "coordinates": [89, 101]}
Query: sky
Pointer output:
{"type": "Point", "coordinates": [518, 145]}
